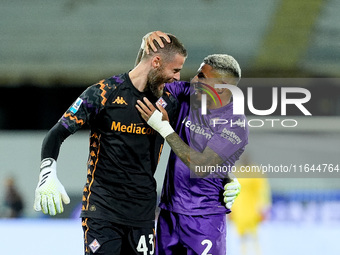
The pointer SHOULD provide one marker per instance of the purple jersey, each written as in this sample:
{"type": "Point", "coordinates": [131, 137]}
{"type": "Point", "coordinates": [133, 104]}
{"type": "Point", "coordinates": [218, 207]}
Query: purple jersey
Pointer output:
{"type": "Point", "coordinates": [201, 196]}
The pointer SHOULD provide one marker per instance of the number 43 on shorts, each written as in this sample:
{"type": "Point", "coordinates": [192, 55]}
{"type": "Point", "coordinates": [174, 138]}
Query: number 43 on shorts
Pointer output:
{"type": "Point", "coordinates": [143, 246]}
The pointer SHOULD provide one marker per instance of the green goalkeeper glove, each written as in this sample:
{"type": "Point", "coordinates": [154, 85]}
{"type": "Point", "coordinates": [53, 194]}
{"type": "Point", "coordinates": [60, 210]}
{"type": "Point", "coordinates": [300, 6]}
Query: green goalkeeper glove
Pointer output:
{"type": "Point", "coordinates": [50, 193]}
{"type": "Point", "coordinates": [232, 190]}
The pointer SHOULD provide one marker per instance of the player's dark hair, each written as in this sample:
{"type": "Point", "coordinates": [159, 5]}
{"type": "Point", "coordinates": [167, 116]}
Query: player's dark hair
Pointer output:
{"type": "Point", "coordinates": [170, 49]}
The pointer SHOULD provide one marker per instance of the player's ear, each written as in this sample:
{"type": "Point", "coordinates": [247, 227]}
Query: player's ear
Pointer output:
{"type": "Point", "coordinates": [156, 61]}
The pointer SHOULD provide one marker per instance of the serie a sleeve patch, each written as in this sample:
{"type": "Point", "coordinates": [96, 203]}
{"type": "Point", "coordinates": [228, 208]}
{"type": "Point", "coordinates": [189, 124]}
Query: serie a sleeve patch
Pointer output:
{"type": "Point", "coordinates": [75, 107]}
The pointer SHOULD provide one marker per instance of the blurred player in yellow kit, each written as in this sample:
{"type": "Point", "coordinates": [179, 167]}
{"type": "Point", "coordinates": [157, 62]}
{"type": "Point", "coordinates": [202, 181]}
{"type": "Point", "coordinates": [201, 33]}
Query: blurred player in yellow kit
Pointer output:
{"type": "Point", "coordinates": [251, 207]}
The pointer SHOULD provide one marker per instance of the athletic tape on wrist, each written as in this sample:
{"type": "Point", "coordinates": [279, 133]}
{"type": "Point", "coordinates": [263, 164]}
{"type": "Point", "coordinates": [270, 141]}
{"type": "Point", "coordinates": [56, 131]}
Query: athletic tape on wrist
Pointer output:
{"type": "Point", "coordinates": [163, 127]}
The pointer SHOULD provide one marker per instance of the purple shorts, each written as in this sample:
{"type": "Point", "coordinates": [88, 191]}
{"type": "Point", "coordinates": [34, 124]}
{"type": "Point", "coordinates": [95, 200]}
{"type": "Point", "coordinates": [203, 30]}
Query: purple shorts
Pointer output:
{"type": "Point", "coordinates": [188, 235]}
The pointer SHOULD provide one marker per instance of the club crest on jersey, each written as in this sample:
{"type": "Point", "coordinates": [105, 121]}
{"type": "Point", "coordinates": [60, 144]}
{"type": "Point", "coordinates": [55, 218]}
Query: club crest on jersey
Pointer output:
{"type": "Point", "coordinates": [94, 246]}
{"type": "Point", "coordinates": [162, 102]}
{"type": "Point", "coordinates": [75, 107]}
{"type": "Point", "coordinates": [119, 100]}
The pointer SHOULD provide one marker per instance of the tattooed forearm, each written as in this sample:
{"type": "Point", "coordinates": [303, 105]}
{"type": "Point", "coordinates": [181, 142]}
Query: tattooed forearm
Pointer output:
{"type": "Point", "coordinates": [181, 149]}
{"type": "Point", "coordinates": [191, 157]}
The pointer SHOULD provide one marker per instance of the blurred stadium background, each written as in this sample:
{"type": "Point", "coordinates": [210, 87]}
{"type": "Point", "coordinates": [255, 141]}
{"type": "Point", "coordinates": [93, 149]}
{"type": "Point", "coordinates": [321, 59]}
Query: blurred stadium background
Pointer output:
{"type": "Point", "coordinates": [50, 51]}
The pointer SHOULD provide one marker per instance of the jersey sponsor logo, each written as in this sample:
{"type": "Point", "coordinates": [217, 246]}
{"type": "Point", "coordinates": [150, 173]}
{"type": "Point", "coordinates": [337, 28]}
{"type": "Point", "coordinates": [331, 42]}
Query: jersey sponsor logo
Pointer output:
{"type": "Point", "coordinates": [197, 129]}
{"type": "Point", "coordinates": [94, 246]}
{"type": "Point", "coordinates": [75, 107]}
{"type": "Point", "coordinates": [119, 100]}
{"type": "Point", "coordinates": [161, 102]}
{"type": "Point", "coordinates": [133, 128]}
{"type": "Point", "coordinates": [231, 136]}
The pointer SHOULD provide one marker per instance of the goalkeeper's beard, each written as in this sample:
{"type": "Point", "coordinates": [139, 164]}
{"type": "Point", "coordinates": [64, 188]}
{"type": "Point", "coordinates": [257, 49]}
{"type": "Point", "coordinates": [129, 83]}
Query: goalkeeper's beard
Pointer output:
{"type": "Point", "coordinates": [155, 82]}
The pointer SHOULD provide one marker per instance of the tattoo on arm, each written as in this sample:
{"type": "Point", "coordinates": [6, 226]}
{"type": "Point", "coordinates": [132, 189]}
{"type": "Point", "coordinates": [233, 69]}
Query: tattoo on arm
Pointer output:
{"type": "Point", "coordinates": [191, 157]}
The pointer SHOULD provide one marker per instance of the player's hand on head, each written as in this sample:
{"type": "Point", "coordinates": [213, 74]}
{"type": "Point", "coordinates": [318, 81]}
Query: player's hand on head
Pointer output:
{"type": "Point", "coordinates": [50, 193]}
{"type": "Point", "coordinates": [148, 40]}
{"type": "Point", "coordinates": [231, 191]}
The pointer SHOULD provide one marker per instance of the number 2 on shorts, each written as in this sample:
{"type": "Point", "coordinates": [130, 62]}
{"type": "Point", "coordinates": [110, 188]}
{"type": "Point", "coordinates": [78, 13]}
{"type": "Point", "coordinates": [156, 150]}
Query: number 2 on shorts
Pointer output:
{"type": "Point", "coordinates": [207, 249]}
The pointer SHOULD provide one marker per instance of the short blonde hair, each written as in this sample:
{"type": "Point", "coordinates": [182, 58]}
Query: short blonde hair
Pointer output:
{"type": "Point", "coordinates": [224, 63]}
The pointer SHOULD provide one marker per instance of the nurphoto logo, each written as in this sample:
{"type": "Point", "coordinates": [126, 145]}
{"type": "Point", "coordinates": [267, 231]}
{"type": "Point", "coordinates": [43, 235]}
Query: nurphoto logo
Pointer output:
{"type": "Point", "coordinates": [239, 104]}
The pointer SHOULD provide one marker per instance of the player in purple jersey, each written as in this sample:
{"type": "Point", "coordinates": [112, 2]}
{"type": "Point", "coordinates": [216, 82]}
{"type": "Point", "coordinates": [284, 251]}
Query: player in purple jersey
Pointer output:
{"type": "Point", "coordinates": [192, 218]}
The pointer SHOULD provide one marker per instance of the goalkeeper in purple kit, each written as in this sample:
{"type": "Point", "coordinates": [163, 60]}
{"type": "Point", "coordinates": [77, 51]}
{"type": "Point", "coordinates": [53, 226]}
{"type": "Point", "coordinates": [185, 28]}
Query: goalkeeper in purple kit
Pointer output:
{"type": "Point", "coordinates": [193, 216]}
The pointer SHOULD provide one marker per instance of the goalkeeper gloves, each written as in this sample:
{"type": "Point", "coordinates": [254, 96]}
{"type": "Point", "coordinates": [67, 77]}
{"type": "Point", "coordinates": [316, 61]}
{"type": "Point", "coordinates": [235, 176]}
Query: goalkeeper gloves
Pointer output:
{"type": "Point", "coordinates": [163, 127]}
{"type": "Point", "coordinates": [231, 191]}
{"type": "Point", "coordinates": [50, 193]}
